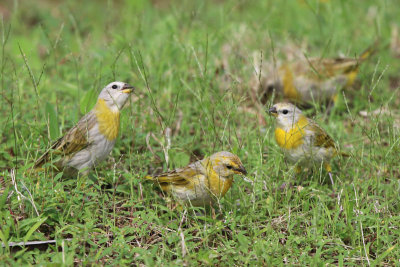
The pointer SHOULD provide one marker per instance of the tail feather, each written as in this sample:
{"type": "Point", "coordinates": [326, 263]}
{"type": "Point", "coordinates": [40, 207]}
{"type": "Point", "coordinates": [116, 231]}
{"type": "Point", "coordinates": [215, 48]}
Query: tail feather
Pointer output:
{"type": "Point", "coordinates": [148, 177]}
{"type": "Point", "coordinates": [372, 49]}
{"type": "Point", "coordinates": [45, 157]}
{"type": "Point", "coordinates": [39, 163]}
{"type": "Point", "coordinates": [2, 185]}
{"type": "Point", "coordinates": [353, 70]}
{"type": "Point", "coordinates": [344, 154]}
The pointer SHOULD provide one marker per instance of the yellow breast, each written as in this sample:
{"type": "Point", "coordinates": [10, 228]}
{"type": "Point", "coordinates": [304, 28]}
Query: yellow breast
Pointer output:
{"type": "Point", "coordinates": [294, 137]}
{"type": "Point", "coordinates": [108, 120]}
{"type": "Point", "coordinates": [218, 186]}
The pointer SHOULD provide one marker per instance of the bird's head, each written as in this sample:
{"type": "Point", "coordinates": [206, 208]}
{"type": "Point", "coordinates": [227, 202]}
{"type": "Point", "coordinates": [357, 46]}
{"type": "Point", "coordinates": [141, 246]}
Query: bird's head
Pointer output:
{"type": "Point", "coordinates": [286, 114]}
{"type": "Point", "coordinates": [116, 94]}
{"type": "Point", "coordinates": [226, 164]}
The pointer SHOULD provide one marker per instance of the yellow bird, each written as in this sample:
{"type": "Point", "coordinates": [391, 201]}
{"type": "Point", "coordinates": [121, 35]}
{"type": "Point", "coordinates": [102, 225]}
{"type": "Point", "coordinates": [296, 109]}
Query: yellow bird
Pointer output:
{"type": "Point", "coordinates": [316, 79]}
{"type": "Point", "coordinates": [91, 140]}
{"type": "Point", "coordinates": [302, 140]}
{"type": "Point", "coordinates": [202, 182]}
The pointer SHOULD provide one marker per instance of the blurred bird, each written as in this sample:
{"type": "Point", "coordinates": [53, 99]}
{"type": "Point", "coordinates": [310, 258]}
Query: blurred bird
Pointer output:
{"type": "Point", "coordinates": [93, 137]}
{"type": "Point", "coordinates": [302, 140]}
{"type": "Point", "coordinates": [316, 79]}
{"type": "Point", "coordinates": [2, 185]}
{"type": "Point", "coordinates": [202, 182]}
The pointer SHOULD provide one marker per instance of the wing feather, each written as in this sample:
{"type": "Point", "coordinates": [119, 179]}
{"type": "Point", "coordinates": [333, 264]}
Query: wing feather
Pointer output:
{"type": "Point", "coordinates": [330, 67]}
{"type": "Point", "coordinates": [321, 137]}
{"type": "Point", "coordinates": [179, 177]}
{"type": "Point", "coordinates": [73, 141]}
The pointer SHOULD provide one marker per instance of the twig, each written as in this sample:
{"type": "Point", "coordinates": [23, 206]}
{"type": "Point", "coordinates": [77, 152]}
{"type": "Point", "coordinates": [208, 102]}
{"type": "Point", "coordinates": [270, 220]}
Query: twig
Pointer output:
{"type": "Point", "coordinates": [33, 243]}
{"type": "Point", "coordinates": [31, 198]}
{"type": "Point", "coordinates": [183, 217]}
{"type": "Point", "coordinates": [141, 191]}
{"type": "Point", "coordinates": [20, 195]}
{"type": "Point", "coordinates": [63, 251]}
{"type": "Point", "coordinates": [183, 244]}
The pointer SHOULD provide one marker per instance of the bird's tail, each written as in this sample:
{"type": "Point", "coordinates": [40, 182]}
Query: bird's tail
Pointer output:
{"type": "Point", "coordinates": [40, 161]}
{"type": "Point", "coordinates": [372, 49]}
{"type": "Point", "coordinates": [344, 154]}
{"type": "Point", "coordinates": [2, 185]}
{"type": "Point", "coordinates": [352, 71]}
{"type": "Point", "coordinates": [148, 177]}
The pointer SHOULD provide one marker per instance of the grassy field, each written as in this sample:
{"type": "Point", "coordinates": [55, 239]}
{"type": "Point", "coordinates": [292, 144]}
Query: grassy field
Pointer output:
{"type": "Point", "coordinates": [192, 65]}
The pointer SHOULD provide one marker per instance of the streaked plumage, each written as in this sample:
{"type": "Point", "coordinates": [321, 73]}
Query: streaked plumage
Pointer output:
{"type": "Point", "coordinates": [301, 139]}
{"type": "Point", "coordinates": [203, 181]}
{"type": "Point", "coordinates": [2, 185]}
{"type": "Point", "coordinates": [93, 137]}
{"type": "Point", "coordinates": [314, 79]}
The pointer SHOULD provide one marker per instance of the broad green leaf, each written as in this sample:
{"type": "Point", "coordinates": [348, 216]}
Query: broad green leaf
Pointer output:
{"type": "Point", "coordinates": [33, 228]}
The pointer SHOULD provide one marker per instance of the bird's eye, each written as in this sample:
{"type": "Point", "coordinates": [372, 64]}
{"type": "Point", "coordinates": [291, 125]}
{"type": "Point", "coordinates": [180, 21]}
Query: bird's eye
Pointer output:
{"type": "Point", "coordinates": [285, 111]}
{"type": "Point", "coordinates": [114, 86]}
{"type": "Point", "coordinates": [229, 167]}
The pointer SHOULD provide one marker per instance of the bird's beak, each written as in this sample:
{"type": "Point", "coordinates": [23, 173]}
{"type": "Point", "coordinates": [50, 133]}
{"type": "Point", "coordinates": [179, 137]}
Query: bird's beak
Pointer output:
{"type": "Point", "coordinates": [273, 111]}
{"type": "Point", "coordinates": [127, 89]}
{"type": "Point", "coordinates": [241, 170]}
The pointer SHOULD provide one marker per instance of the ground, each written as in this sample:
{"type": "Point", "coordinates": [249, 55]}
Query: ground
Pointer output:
{"type": "Point", "coordinates": [192, 65]}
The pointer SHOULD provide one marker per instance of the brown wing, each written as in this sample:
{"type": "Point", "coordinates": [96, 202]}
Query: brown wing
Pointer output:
{"type": "Point", "coordinates": [73, 141]}
{"type": "Point", "coordinates": [179, 177]}
{"type": "Point", "coordinates": [321, 138]}
{"type": "Point", "coordinates": [329, 67]}
{"type": "Point", "coordinates": [2, 185]}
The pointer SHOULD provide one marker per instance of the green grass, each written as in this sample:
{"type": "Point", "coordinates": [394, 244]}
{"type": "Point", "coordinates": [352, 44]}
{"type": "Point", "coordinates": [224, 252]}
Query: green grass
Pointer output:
{"type": "Point", "coordinates": [55, 58]}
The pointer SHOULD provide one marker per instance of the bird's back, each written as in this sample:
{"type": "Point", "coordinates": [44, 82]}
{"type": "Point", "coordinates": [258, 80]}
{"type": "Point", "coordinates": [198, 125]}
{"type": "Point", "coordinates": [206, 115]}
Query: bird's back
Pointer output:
{"type": "Point", "coordinates": [195, 183]}
{"type": "Point", "coordinates": [76, 139]}
{"type": "Point", "coordinates": [319, 78]}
